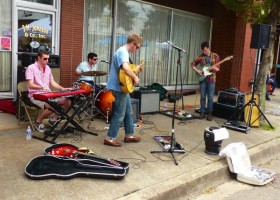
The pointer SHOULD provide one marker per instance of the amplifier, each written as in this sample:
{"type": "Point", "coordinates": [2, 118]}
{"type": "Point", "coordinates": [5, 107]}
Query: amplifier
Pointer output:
{"type": "Point", "coordinates": [233, 99]}
{"type": "Point", "coordinates": [227, 112]}
{"type": "Point", "coordinates": [135, 110]}
{"type": "Point", "coordinates": [148, 100]}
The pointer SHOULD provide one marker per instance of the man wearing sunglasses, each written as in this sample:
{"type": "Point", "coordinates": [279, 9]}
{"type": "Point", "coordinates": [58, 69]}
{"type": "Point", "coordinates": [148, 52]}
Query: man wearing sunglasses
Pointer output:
{"type": "Point", "coordinates": [85, 66]}
{"type": "Point", "coordinates": [122, 110]}
{"type": "Point", "coordinates": [39, 79]}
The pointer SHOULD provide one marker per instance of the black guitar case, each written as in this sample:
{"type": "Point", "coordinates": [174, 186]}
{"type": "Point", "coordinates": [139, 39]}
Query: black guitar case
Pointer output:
{"type": "Point", "coordinates": [51, 165]}
{"type": "Point", "coordinates": [46, 167]}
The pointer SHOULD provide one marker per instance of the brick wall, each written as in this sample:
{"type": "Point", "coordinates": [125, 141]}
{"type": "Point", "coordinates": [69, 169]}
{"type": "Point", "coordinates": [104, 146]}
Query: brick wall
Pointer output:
{"type": "Point", "coordinates": [243, 65]}
{"type": "Point", "coordinates": [71, 39]}
{"type": "Point", "coordinates": [223, 38]}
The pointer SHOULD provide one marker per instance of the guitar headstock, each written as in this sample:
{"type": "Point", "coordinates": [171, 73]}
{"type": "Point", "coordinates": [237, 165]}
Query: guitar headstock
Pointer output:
{"type": "Point", "coordinates": [229, 58]}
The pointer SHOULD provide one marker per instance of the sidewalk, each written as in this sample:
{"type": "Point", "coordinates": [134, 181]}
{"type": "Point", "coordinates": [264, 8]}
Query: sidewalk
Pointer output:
{"type": "Point", "coordinates": [151, 176]}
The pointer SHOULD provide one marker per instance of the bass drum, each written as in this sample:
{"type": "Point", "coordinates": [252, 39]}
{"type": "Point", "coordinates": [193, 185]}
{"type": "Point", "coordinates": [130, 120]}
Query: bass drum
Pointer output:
{"type": "Point", "coordinates": [104, 102]}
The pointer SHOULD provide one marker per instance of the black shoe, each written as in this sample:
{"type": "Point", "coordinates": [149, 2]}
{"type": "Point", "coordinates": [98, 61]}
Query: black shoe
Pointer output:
{"type": "Point", "coordinates": [202, 115]}
{"type": "Point", "coordinates": [209, 116]}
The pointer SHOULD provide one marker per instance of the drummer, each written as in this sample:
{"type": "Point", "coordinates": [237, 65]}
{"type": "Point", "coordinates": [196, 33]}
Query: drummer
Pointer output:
{"type": "Point", "coordinates": [85, 66]}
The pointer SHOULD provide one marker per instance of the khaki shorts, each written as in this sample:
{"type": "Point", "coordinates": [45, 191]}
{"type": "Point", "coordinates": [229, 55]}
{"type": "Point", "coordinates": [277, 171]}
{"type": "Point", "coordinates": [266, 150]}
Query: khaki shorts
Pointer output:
{"type": "Point", "coordinates": [40, 104]}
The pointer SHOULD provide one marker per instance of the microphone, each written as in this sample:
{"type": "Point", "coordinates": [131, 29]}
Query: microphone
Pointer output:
{"type": "Point", "coordinates": [175, 47]}
{"type": "Point", "coordinates": [106, 61]}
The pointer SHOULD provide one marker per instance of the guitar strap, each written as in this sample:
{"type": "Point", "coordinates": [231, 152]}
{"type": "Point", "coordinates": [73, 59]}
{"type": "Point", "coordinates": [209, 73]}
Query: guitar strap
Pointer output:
{"type": "Point", "coordinates": [130, 61]}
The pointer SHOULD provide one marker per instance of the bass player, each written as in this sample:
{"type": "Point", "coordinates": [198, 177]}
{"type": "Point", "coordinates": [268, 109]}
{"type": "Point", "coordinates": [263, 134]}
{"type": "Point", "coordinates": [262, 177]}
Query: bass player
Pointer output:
{"type": "Point", "coordinates": [207, 84]}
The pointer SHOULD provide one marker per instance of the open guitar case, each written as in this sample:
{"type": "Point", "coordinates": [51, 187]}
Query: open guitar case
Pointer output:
{"type": "Point", "coordinates": [61, 167]}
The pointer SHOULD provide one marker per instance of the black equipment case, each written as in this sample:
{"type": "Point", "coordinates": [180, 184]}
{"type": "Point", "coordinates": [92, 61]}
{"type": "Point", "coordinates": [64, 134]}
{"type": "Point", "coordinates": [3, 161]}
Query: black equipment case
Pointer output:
{"type": "Point", "coordinates": [231, 97]}
{"type": "Point", "coordinates": [66, 161]}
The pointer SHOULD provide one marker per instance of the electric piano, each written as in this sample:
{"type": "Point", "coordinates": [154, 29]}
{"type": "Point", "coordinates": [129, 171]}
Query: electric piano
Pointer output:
{"type": "Point", "coordinates": [50, 98]}
{"type": "Point", "coordinates": [51, 95]}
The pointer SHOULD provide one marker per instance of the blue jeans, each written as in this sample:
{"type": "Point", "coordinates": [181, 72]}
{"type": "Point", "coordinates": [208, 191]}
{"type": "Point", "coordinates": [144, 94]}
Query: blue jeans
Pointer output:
{"type": "Point", "coordinates": [121, 112]}
{"type": "Point", "coordinates": [207, 89]}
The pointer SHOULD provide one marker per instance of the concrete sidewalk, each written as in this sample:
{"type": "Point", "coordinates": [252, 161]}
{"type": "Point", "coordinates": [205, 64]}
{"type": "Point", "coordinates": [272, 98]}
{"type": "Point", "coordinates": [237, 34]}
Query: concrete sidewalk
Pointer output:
{"type": "Point", "coordinates": [151, 176]}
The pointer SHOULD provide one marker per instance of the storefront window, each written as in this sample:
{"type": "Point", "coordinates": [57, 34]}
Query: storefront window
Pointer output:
{"type": "Point", "coordinates": [156, 25]}
{"type": "Point", "coordinates": [47, 2]}
{"type": "Point", "coordinates": [34, 31]}
{"type": "Point", "coordinates": [98, 38]}
{"type": "Point", "coordinates": [5, 45]}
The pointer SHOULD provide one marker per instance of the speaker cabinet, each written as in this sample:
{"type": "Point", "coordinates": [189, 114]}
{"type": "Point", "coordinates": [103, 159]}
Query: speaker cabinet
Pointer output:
{"type": "Point", "coordinates": [260, 36]}
{"type": "Point", "coordinates": [227, 112]}
{"type": "Point", "coordinates": [135, 110]}
{"type": "Point", "coordinates": [148, 100]}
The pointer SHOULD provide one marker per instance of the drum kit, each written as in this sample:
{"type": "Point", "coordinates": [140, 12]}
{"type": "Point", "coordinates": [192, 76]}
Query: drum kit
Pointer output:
{"type": "Point", "coordinates": [100, 99]}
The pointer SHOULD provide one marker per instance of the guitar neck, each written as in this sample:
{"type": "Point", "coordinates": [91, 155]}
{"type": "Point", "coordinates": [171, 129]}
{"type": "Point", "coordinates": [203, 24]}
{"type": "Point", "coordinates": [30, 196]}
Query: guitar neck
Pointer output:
{"type": "Point", "coordinates": [222, 61]}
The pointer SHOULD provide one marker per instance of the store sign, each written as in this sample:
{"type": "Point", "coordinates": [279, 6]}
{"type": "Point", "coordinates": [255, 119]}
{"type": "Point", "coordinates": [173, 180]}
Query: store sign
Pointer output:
{"type": "Point", "coordinates": [33, 31]}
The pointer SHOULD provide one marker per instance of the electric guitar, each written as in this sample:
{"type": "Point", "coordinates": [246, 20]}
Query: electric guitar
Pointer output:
{"type": "Point", "coordinates": [207, 68]}
{"type": "Point", "coordinates": [126, 82]}
{"type": "Point", "coordinates": [73, 152]}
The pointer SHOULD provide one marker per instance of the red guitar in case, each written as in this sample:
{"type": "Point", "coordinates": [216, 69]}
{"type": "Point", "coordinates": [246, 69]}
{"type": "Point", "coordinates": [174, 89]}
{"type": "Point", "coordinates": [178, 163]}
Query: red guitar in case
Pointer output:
{"type": "Point", "coordinates": [66, 161]}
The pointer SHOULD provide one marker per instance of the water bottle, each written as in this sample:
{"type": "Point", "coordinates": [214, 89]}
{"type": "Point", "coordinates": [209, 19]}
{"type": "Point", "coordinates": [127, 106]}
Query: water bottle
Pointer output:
{"type": "Point", "coordinates": [165, 106]}
{"type": "Point", "coordinates": [28, 133]}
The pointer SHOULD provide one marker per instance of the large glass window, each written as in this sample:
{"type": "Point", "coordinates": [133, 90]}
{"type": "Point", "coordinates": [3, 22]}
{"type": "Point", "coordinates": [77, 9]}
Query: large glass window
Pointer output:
{"type": "Point", "coordinates": [47, 2]}
{"type": "Point", "coordinates": [5, 46]}
{"type": "Point", "coordinates": [34, 31]}
{"type": "Point", "coordinates": [156, 25]}
{"type": "Point", "coordinates": [98, 37]}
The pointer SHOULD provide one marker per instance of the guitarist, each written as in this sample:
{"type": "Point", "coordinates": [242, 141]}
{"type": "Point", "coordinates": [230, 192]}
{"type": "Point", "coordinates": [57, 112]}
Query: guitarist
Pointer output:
{"type": "Point", "coordinates": [122, 110]}
{"type": "Point", "coordinates": [207, 85]}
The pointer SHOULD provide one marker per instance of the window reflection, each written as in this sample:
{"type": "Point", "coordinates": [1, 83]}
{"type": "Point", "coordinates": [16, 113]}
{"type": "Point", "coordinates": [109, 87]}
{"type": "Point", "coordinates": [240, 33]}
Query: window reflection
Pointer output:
{"type": "Point", "coordinates": [47, 2]}
{"type": "Point", "coordinates": [34, 31]}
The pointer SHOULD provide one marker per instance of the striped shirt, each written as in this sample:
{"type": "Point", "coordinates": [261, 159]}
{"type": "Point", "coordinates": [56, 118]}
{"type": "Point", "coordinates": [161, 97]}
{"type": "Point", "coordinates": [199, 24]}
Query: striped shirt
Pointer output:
{"type": "Point", "coordinates": [202, 60]}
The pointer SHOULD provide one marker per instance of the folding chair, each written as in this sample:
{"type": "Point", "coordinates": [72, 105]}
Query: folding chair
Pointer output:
{"type": "Point", "coordinates": [25, 102]}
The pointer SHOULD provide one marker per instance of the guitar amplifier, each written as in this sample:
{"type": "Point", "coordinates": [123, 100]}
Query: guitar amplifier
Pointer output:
{"type": "Point", "coordinates": [148, 100]}
{"type": "Point", "coordinates": [232, 98]}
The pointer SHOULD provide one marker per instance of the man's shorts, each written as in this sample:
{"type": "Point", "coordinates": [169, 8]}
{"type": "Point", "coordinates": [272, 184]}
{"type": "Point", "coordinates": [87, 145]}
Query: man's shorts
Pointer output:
{"type": "Point", "coordinates": [38, 103]}
{"type": "Point", "coordinates": [41, 104]}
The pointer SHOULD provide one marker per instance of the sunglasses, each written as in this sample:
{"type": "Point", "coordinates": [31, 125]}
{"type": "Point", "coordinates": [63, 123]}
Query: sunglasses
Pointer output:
{"type": "Point", "coordinates": [95, 59]}
{"type": "Point", "coordinates": [45, 58]}
{"type": "Point", "coordinates": [137, 47]}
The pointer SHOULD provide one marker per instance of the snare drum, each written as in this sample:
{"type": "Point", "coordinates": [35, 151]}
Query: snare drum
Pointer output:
{"type": "Point", "coordinates": [87, 87]}
{"type": "Point", "coordinates": [104, 101]}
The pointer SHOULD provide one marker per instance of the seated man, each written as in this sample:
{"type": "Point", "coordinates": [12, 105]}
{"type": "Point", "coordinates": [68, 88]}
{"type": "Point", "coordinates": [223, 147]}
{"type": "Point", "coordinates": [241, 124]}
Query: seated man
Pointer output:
{"type": "Point", "coordinates": [39, 79]}
{"type": "Point", "coordinates": [85, 66]}
{"type": "Point", "coordinates": [270, 86]}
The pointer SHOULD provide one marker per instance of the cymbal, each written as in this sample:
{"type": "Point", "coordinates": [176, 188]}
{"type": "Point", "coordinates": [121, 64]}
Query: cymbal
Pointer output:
{"type": "Point", "coordinates": [94, 73]}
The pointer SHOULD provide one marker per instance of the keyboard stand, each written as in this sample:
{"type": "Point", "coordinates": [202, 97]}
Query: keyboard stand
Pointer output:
{"type": "Point", "coordinates": [64, 115]}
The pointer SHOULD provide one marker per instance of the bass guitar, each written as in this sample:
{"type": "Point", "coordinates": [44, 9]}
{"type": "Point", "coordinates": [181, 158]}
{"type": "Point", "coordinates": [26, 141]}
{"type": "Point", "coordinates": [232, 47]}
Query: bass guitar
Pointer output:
{"type": "Point", "coordinates": [126, 82]}
{"type": "Point", "coordinates": [207, 68]}
{"type": "Point", "coordinates": [73, 152]}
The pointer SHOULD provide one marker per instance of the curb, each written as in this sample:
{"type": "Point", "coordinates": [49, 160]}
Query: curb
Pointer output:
{"type": "Point", "coordinates": [190, 185]}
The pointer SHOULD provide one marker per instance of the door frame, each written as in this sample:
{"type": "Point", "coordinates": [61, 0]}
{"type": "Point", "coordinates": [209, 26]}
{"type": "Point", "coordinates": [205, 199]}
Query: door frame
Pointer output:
{"type": "Point", "coordinates": [54, 10]}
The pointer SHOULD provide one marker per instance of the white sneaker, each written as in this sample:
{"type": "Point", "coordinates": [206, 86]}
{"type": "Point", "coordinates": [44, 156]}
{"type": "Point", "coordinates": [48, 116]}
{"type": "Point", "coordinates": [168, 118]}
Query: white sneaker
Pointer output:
{"type": "Point", "coordinates": [40, 127]}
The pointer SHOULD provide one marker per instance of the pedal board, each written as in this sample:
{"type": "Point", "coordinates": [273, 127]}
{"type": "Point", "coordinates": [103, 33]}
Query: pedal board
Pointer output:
{"type": "Point", "coordinates": [165, 143]}
{"type": "Point", "coordinates": [236, 126]}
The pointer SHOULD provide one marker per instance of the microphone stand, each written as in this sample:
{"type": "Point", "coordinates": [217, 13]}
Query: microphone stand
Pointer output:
{"type": "Point", "coordinates": [173, 141]}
